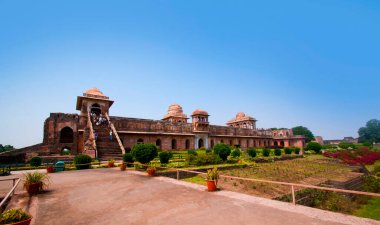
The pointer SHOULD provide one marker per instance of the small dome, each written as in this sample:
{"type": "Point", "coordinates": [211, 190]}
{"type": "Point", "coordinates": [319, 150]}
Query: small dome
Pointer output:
{"type": "Point", "coordinates": [200, 112]}
{"type": "Point", "coordinates": [240, 115]}
{"type": "Point", "coordinates": [175, 108]}
{"type": "Point", "coordinates": [94, 91]}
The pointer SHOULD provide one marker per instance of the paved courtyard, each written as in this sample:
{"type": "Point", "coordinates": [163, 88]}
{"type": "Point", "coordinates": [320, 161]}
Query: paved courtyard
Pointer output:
{"type": "Point", "coordinates": [109, 196]}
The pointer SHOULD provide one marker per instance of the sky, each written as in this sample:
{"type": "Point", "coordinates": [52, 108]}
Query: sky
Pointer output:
{"type": "Point", "coordinates": [286, 63]}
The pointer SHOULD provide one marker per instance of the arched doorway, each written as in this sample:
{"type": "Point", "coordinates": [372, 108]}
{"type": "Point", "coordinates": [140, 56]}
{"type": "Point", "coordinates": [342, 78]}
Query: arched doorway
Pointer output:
{"type": "Point", "coordinates": [187, 144]}
{"type": "Point", "coordinates": [200, 143]}
{"type": "Point", "coordinates": [174, 144]}
{"type": "Point", "coordinates": [230, 142]}
{"type": "Point", "coordinates": [95, 108]}
{"type": "Point", "coordinates": [140, 141]}
{"type": "Point", "coordinates": [66, 135]}
{"type": "Point", "coordinates": [282, 143]}
{"type": "Point", "coordinates": [158, 143]}
{"type": "Point", "coordinates": [275, 143]}
{"type": "Point", "coordinates": [212, 143]}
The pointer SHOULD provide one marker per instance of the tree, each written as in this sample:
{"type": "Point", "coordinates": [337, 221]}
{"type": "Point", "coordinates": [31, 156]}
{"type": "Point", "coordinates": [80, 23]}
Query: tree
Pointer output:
{"type": "Point", "coordinates": [315, 146]}
{"type": "Point", "coordinates": [370, 133]}
{"type": "Point", "coordinates": [5, 148]}
{"type": "Point", "coordinates": [144, 153]}
{"type": "Point", "coordinates": [300, 130]}
{"type": "Point", "coordinates": [223, 150]}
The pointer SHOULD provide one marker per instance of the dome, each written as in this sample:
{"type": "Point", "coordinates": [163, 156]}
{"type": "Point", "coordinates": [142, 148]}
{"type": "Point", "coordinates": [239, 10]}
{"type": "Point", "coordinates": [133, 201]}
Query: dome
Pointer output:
{"type": "Point", "coordinates": [175, 110]}
{"type": "Point", "coordinates": [200, 112]}
{"type": "Point", "coordinates": [240, 115]}
{"type": "Point", "coordinates": [94, 91]}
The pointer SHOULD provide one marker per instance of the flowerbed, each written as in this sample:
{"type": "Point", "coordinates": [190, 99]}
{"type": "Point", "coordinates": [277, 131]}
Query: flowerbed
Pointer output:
{"type": "Point", "coordinates": [359, 156]}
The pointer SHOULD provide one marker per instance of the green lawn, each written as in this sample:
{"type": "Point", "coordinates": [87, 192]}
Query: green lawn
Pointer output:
{"type": "Point", "coordinates": [370, 210]}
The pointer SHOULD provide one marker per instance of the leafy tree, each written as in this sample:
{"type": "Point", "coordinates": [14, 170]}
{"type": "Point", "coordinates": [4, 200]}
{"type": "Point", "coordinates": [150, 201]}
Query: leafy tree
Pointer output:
{"type": "Point", "coordinates": [370, 133]}
{"type": "Point", "coordinates": [300, 130]}
{"type": "Point", "coordinates": [223, 150]}
{"type": "Point", "coordinates": [315, 146]}
{"type": "Point", "coordinates": [144, 153]}
{"type": "Point", "coordinates": [5, 148]}
{"type": "Point", "coordinates": [252, 152]}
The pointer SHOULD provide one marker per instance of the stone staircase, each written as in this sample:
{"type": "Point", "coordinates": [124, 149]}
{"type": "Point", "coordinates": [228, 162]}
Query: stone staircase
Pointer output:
{"type": "Point", "coordinates": [106, 148]}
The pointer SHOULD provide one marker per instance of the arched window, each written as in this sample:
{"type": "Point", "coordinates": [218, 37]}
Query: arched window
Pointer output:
{"type": "Point", "coordinates": [231, 143]}
{"type": "Point", "coordinates": [251, 126]}
{"type": "Point", "coordinates": [275, 143]}
{"type": "Point", "coordinates": [66, 135]}
{"type": "Point", "coordinates": [158, 143]}
{"type": "Point", "coordinates": [282, 143]}
{"type": "Point", "coordinates": [187, 144]}
{"type": "Point", "coordinates": [95, 108]}
{"type": "Point", "coordinates": [174, 144]}
{"type": "Point", "coordinates": [244, 125]}
{"type": "Point", "coordinates": [247, 144]}
{"type": "Point", "coordinates": [140, 141]}
{"type": "Point", "coordinates": [200, 143]}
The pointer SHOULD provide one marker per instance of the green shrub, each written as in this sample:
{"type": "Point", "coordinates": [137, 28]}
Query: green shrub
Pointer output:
{"type": "Point", "coordinates": [208, 151]}
{"type": "Point", "coordinates": [12, 216]}
{"type": "Point", "coordinates": [372, 183]}
{"type": "Point", "coordinates": [223, 150]}
{"type": "Point", "coordinates": [297, 151]}
{"type": "Point", "coordinates": [252, 152]}
{"type": "Point", "coordinates": [192, 152]}
{"type": "Point", "coordinates": [35, 161]}
{"type": "Point", "coordinates": [236, 153]}
{"type": "Point", "coordinates": [202, 148]}
{"type": "Point", "coordinates": [164, 157]}
{"type": "Point", "coordinates": [377, 167]}
{"type": "Point", "coordinates": [314, 146]}
{"type": "Point", "coordinates": [277, 152]}
{"type": "Point", "coordinates": [204, 159]}
{"type": "Point", "coordinates": [144, 153]}
{"type": "Point", "coordinates": [128, 158]}
{"type": "Point", "coordinates": [82, 159]}
{"type": "Point", "coordinates": [266, 152]}
{"type": "Point", "coordinates": [288, 151]}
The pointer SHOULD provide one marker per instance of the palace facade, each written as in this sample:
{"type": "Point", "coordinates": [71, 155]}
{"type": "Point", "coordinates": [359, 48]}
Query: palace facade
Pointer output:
{"type": "Point", "coordinates": [175, 131]}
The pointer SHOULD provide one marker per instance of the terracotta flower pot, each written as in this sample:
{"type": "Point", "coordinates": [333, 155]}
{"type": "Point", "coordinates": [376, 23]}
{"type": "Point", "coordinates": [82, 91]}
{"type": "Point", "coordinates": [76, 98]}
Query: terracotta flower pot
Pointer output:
{"type": "Point", "coordinates": [50, 169]}
{"type": "Point", "coordinates": [151, 172]}
{"type": "Point", "coordinates": [33, 189]}
{"type": "Point", "coordinates": [211, 185]}
{"type": "Point", "coordinates": [111, 164]}
{"type": "Point", "coordinates": [123, 167]}
{"type": "Point", "coordinates": [25, 222]}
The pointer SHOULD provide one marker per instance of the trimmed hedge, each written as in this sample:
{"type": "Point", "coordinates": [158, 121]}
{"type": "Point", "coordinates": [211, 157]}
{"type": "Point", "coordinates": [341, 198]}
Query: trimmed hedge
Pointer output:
{"type": "Point", "coordinates": [128, 158]}
{"type": "Point", "coordinates": [82, 159]}
{"type": "Point", "coordinates": [252, 152]}
{"type": "Point", "coordinates": [144, 153]}
{"type": "Point", "coordinates": [236, 153]}
{"type": "Point", "coordinates": [288, 151]}
{"type": "Point", "coordinates": [164, 157]}
{"type": "Point", "coordinates": [266, 152]}
{"type": "Point", "coordinates": [277, 152]}
{"type": "Point", "coordinates": [223, 150]}
{"type": "Point", "coordinates": [35, 161]}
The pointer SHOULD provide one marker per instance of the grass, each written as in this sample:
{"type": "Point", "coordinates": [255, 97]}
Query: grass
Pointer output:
{"type": "Point", "coordinates": [370, 210]}
{"type": "Point", "coordinates": [196, 179]}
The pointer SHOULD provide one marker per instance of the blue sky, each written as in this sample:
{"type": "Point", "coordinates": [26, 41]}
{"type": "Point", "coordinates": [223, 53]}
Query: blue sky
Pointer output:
{"type": "Point", "coordinates": [287, 63]}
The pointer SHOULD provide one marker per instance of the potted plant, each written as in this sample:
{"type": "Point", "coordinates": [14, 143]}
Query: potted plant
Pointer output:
{"type": "Point", "coordinates": [50, 169]}
{"type": "Point", "coordinates": [212, 179]}
{"type": "Point", "coordinates": [151, 170]}
{"type": "Point", "coordinates": [111, 163]}
{"type": "Point", "coordinates": [34, 182]}
{"type": "Point", "coordinates": [123, 166]}
{"type": "Point", "coordinates": [15, 217]}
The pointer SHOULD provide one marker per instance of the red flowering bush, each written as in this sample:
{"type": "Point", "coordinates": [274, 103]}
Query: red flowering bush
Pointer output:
{"type": "Point", "coordinates": [359, 156]}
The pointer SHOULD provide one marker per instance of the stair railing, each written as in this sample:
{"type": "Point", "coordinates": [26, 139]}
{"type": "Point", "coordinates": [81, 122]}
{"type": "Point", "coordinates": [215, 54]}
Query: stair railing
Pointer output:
{"type": "Point", "coordinates": [116, 135]}
{"type": "Point", "coordinates": [92, 135]}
